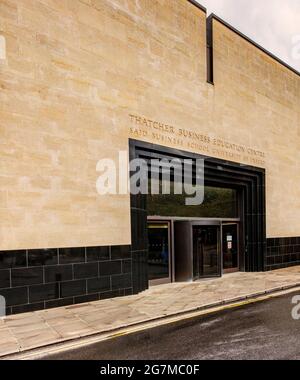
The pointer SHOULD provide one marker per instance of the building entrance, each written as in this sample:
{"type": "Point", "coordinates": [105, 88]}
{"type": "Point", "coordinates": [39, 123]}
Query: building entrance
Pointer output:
{"type": "Point", "coordinates": [189, 250]}
{"type": "Point", "coordinates": [232, 192]}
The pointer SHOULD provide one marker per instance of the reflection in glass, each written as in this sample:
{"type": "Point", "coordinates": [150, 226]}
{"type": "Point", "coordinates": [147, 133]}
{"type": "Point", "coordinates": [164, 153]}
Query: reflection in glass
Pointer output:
{"type": "Point", "coordinates": [158, 262]}
{"type": "Point", "coordinates": [218, 203]}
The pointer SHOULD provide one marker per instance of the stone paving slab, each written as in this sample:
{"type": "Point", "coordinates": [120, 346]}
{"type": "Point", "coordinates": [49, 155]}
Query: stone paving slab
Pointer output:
{"type": "Point", "coordinates": [22, 332]}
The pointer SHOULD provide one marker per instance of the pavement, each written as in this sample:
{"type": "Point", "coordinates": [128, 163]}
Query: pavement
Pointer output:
{"type": "Point", "coordinates": [26, 332]}
{"type": "Point", "coordinates": [258, 331]}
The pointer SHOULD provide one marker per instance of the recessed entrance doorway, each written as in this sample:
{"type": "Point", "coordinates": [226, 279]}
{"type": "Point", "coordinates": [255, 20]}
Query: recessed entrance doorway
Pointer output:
{"type": "Point", "coordinates": [190, 250]}
{"type": "Point", "coordinates": [234, 194]}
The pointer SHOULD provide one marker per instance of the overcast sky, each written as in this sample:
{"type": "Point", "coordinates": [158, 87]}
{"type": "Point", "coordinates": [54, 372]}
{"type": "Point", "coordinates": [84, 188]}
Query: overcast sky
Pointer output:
{"type": "Point", "coordinates": [274, 24]}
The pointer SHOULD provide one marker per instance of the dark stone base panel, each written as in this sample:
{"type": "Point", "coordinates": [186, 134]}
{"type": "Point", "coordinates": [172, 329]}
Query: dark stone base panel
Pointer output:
{"type": "Point", "coordinates": [32, 280]}
{"type": "Point", "coordinates": [282, 253]}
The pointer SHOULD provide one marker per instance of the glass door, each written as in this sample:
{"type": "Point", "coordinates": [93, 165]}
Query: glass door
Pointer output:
{"type": "Point", "coordinates": [230, 247]}
{"type": "Point", "coordinates": [206, 251]}
{"type": "Point", "coordinates": [159, 246]}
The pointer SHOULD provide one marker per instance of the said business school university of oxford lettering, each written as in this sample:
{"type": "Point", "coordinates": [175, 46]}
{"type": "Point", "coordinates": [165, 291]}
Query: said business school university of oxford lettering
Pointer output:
{"type": "Point", "coordinates": [82, 81]}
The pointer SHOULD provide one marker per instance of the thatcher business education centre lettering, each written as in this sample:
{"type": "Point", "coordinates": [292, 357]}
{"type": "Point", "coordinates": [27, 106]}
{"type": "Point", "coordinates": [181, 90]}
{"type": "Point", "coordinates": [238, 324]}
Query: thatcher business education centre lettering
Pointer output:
{"type": "Point", "coordinates": [161, 133]}
{"type": "Point", "coordinates": [163, 82]}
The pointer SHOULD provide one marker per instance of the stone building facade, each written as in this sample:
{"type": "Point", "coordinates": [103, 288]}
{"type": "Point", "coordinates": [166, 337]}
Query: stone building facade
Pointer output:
{"type": "Point", "coordinates": [82, 80]}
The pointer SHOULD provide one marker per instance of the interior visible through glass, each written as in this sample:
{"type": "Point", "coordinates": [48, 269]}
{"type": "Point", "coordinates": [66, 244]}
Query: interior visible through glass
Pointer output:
{"type": "Point", "coordinates": [158, 259]}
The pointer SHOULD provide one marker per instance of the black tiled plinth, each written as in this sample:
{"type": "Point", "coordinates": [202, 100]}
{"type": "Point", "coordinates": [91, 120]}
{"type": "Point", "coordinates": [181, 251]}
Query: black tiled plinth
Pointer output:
{"type": "Point", "coordinates": [282, 253]}
{"type": "Point", "coordinates": [36, 279]}
{"type": "Point", "coordinates": [13, 259]}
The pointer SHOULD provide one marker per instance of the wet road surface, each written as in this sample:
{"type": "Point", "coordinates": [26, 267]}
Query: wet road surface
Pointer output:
{"type": "Point", "coordinates": [264, 330]}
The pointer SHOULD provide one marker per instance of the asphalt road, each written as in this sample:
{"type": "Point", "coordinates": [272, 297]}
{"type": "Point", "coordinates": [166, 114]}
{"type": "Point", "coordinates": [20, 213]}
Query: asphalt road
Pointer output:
{"type": "Point", "coordinates": [264, 330]}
